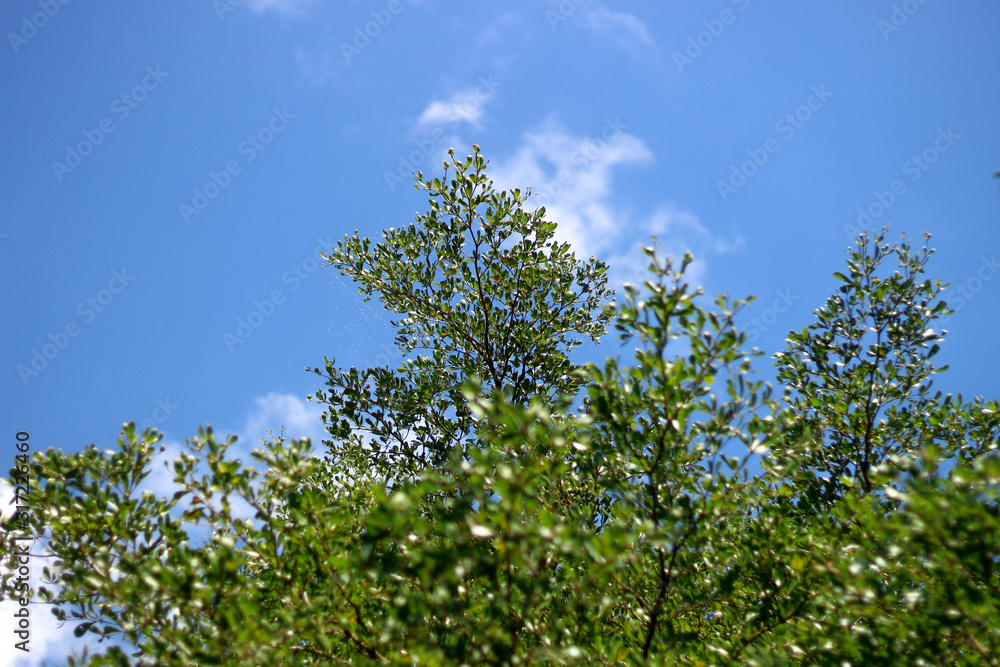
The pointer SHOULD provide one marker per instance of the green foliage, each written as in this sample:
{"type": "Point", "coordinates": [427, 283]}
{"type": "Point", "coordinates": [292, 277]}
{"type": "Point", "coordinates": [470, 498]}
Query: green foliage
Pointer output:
{"type": "Point", "coordinates": [486, 292]}
{"type": "Point", "coordinates": [491, 502]}
{"type": "Point", "coordinates": [862, 371]}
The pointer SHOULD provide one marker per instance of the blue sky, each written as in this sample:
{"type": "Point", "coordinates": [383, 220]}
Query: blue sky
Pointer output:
{"type": "Point", "coordinates": [170, 170]}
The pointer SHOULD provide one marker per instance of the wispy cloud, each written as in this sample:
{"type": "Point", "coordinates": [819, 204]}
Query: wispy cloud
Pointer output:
{"type": "Point", "coordinates": [466, 105]}
{"type": "Point", "coordinates": [622, 28]}
{"type": "Point", "coordinates": [319, 67]}
{"type": "Point", "coordinates": [676, 232]}
{"type": "Point", "coordinates": [274, 412]}
{"type": "Point", "coordinates": [451, 111]}
{"type": "Point", "coordinates": [286, 7]}
{"type": "Point", "coordinates": [573, 177]}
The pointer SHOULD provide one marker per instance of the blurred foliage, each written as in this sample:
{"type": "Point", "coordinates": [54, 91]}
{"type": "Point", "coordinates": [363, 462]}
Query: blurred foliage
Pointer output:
{"type": "Point", "coordinates": [491, 502]}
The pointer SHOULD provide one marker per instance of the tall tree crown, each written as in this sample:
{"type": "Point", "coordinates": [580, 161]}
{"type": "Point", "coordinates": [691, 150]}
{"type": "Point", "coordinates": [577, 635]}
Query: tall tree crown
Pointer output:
{"type": "Point", "coordinates": [486, 292]}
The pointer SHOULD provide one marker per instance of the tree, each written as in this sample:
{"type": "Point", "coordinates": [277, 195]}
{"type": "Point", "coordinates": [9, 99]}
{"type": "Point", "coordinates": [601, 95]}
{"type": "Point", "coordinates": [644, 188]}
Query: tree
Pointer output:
{"type": "Point", "coordinates": [492, 502]}
{"type": "Point", "coordinates": [487, 293]}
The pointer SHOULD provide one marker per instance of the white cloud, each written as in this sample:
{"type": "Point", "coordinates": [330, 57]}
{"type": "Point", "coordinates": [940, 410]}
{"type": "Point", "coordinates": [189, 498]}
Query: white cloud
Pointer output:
{"type": "Point", "coordinates": [161, 477]}
{"type": "Point", "coordinates": [451, 111]}
{"type": "Point", "coordinates": [676, 232]}
{"type": "Point", "coordinates": [300, 419]}
{"type": "Point", "coordinates": [466, 105]}
{"type": "Point", "coordinates": [273, 412]}
{"type": "Point", "coordinates": [49, 645]}
{"type": "Point", "coordinates": [573, 177]}
{"type": "Point", "coordinates": [6, 500]}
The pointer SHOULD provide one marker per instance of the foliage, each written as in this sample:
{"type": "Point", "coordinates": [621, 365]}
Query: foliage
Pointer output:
{"type": "Point", "coordinates": [492, 502]}
{"type": "Point", "coordinates": [486, 292]}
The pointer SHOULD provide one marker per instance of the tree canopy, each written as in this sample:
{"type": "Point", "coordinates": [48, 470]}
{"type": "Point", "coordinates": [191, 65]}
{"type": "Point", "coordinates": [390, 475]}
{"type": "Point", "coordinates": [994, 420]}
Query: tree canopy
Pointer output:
{"type": "Point", "coordinates": [491, 501]}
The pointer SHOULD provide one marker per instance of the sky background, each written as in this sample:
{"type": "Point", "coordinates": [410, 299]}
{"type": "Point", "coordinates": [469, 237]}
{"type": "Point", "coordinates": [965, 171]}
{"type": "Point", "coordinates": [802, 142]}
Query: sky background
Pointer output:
{"type": "Point", "coordinates": [172, 169]}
